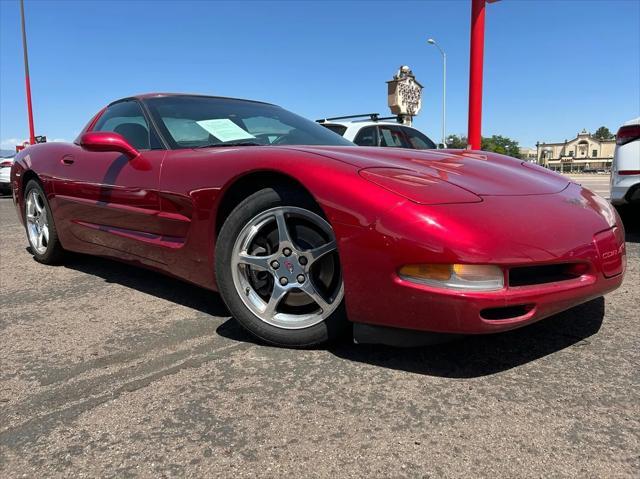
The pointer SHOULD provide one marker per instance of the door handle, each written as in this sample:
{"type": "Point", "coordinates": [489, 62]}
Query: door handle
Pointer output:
{"type": "Point", "coordinates": [67, 160]}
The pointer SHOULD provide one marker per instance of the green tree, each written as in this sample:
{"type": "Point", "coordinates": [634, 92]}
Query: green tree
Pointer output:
{"type": "Point", "coordinates": [457, 142]}
{"type": "Point", "coordinates": [603, 133]}
{"type": "Point", "coordinates": [501, 144]}
{"type": "Point", "coordinates": [496, 143]}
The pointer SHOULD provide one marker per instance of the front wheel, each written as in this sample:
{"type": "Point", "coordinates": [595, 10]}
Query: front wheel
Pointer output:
{"type": "Point", "coordinates": [41, 230]}
{"type": "Point", "coordinates": [278, 270]}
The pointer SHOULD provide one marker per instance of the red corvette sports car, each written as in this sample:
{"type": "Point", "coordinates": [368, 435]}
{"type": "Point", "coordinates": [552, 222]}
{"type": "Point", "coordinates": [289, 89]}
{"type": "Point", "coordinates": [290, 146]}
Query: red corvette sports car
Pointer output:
{"type": "Point", "coordinates": [306, 235]}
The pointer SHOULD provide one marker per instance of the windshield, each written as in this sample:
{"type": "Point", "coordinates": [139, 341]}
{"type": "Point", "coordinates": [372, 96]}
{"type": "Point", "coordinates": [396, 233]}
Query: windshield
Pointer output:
{"type": "Point", "coordinates": [192, 122]}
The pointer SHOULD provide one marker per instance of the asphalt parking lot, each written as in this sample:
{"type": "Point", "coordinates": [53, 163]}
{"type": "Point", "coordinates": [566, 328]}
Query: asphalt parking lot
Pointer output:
{"type": "Point", "coordinates": [599, 184]}
{"type": "Point", "coordinates": [112, 371]}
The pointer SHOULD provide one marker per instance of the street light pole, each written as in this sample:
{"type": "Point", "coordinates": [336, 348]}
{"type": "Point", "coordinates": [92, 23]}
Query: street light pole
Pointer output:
{"type": "Point", "coordinates": [431, 41]}
{"type": "Point", "coordinates": [32, 135]}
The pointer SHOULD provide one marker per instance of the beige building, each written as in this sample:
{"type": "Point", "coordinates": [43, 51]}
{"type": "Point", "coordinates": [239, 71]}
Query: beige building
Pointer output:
{"type": "Point", "coordinates": [582, 153]}
{"type": "Point", "coordinates": [528, 154]}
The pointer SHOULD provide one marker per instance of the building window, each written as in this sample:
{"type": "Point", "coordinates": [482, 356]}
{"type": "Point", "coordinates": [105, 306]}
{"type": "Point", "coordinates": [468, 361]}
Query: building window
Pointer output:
{"type": "Point", "coordinates": [571, 153]}
{"type": "Point", "coordinates": [594, 153]}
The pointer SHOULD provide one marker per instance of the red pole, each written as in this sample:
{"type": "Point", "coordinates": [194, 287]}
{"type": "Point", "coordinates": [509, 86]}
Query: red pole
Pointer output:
{"type": "Point", "coordinates": [32, 135]}
{"type": "Point", "coordinates": [475, 74]}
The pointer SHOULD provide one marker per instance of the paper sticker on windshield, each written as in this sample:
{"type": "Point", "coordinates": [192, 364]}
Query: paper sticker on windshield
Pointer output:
{"type": "Point", "coordinates": [225, 130]}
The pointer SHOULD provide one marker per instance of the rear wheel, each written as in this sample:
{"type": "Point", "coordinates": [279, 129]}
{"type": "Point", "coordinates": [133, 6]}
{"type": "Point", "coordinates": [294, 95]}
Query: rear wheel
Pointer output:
{"type": "Point", "coordinates": [41, 230]}
{"type": "Point", "coordinates": [278, 269]}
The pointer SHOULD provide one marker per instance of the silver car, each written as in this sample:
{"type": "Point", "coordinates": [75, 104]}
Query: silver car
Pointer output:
{"type": "Point", "coordinates": [5, 175]}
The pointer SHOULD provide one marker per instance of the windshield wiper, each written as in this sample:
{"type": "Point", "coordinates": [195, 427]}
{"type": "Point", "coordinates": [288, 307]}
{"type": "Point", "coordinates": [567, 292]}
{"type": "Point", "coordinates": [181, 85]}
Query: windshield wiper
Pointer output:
{"type": "Point", "coordinates": [238, 143]}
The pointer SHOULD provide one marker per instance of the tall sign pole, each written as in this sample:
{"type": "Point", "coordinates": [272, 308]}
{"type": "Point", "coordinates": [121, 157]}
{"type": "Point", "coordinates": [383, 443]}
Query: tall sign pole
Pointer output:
{"type": "Point", "coordinates": [474, 134]}
{"type": "Point", "coordinates": [475, 74]}
{"type": "Point", "coordinates": [32, 135]}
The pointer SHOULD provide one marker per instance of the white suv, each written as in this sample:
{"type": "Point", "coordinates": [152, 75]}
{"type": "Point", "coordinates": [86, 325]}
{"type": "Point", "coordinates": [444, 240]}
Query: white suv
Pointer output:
{"type": "Point", "coordinates": [371, 130]}
{"type": "Point", "coordinates": [625, 171]}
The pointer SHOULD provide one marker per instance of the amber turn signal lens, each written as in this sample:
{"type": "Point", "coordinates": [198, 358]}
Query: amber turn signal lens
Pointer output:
{"type": "Point", "coordinates": [476, 272]}
{"type": "Point", "coordinates": [470, 277]}
{"type": "Point", "coordinates": [437, 272]}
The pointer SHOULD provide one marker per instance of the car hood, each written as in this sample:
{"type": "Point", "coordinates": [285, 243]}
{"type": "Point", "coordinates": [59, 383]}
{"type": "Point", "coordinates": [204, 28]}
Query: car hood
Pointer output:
{"type": "Point", "coordinates": [482, 173]}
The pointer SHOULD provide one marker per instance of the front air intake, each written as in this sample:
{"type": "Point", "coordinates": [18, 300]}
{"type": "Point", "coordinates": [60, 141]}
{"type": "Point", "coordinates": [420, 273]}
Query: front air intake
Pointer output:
{"type": "Point", "coordinates": [506, 312]}
{"type": "Point", "coordinates": [550, 273]}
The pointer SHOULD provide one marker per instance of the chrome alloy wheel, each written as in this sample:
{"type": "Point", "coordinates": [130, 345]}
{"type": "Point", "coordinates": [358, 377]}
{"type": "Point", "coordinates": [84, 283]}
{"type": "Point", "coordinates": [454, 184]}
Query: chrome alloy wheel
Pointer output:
{"type": "Point", "coordinates": [37, 222]}
{"type": "Point", "coordinates": [285, 268]}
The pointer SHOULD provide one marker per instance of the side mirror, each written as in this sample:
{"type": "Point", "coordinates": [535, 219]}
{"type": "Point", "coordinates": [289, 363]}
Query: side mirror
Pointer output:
{"type": "Point", "coordinates": [108, 141]}
{"type": "Point", "coordinates": [441, 146]}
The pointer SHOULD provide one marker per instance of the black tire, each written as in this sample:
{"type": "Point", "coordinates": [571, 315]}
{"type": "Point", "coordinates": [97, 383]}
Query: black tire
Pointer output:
{"type": "Point", "coordinates": [54, 252]}
{"type": "Point", "coordinates": [332, 327]}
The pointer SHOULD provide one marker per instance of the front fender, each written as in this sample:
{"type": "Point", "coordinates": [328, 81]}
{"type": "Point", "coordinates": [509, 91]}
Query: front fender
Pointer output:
{"type": "Point", "coordinates": [30, 163]}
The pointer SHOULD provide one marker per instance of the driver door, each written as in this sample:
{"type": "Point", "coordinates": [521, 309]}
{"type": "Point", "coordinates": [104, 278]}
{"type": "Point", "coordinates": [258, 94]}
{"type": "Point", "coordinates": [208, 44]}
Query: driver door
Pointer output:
{"type": "Point", "coordinates": [109, 200]}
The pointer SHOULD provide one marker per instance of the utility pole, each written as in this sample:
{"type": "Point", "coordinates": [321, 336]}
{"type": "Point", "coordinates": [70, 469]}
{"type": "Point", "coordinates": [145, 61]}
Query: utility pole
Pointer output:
{"type": "Point", "coordinates": [431, 41]}
{"type": "Point", "coordinates": [32, 135]}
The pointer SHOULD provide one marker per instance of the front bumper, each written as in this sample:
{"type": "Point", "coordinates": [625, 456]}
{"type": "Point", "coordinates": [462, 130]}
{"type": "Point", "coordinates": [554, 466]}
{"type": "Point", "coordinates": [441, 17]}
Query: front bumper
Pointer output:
{"type": "Point", "coordinates": [453, 312]}
{"type": "Point", "coordinates": [505, 231]}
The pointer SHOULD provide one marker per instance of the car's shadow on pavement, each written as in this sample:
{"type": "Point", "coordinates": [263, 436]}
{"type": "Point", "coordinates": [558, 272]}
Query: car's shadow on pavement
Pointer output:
{"type": "Point", "coordinates": [475, 356]}
{"type": "Point", "coordinates": [467, 357]}
{"type": "Point", "coordinates": [149, 282]}
{"type": "Point", "coordinates": [630, 215]}
{"type": "Point", "coordinates": [471, 356]}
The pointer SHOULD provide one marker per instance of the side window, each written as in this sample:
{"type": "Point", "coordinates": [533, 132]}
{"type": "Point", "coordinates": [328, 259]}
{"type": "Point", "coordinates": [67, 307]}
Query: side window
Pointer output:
{"type": "Point", "coordinates": [126, 118]}
{"type": "Point", "coordinates": [418, 140]}
{"type": "Point", "coordinates": [391, 135]}
{"type": "Point", "coordinates": [366, 137]}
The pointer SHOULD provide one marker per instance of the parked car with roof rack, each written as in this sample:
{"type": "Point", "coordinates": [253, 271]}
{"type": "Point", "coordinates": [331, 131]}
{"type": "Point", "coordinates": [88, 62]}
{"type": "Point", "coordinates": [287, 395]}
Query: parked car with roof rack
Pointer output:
{"type": "Point", "coordinates": [371, 130]}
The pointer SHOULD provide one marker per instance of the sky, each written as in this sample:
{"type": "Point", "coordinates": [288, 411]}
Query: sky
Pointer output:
{"type": "Point", "coordinates": [552, 68]}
